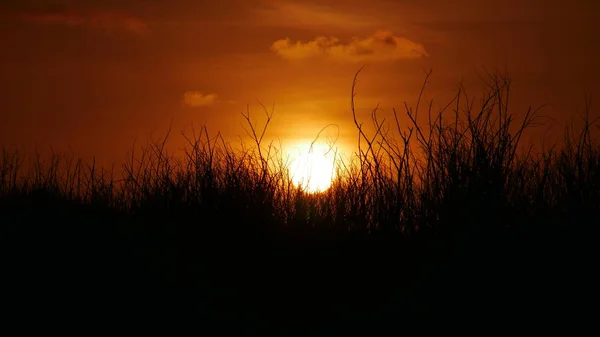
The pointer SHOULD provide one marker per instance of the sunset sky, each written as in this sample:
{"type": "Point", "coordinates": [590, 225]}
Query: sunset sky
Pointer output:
{"type": "Point", "coordinates": [93, 75]}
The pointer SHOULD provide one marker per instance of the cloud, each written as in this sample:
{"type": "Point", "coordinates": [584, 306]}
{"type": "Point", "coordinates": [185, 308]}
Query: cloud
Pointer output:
{"type": "Point", "coordinates": [380, 47]}
{"type": "Point", "coordinates": [96, 19]}
{"type": "Point", "coordinates": [197, 99]}
{"type": "Point", "coordinates": [313, 16]}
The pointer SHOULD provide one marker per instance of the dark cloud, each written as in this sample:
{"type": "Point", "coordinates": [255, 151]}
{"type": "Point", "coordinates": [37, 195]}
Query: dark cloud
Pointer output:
{"type": "Point", "coordinates": [107, 16]}
{"type": "Point", "coordinates": [96, 19]}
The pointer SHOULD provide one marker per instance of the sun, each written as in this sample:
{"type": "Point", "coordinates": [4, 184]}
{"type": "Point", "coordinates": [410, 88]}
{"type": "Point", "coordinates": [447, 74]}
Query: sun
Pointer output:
{"type": "Point", "coordinates": [313, 167]}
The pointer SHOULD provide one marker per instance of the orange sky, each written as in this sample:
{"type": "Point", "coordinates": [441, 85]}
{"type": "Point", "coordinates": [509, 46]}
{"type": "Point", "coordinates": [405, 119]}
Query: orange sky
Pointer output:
{"type": "Point", "coordinates": [94, 75]}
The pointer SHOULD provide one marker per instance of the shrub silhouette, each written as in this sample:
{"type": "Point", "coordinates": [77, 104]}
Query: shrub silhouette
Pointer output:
{"type": "Point", "coordinates": [429, 216]}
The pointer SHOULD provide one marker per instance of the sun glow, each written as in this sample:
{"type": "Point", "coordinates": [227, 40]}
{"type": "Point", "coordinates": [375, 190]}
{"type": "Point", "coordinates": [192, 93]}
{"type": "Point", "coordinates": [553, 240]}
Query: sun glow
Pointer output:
{"type": "Point", "coordinates": [312, 166]}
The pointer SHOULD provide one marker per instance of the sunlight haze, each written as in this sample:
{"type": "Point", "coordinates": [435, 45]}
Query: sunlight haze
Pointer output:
{"type": "Point", "coordinates": [93, 77]}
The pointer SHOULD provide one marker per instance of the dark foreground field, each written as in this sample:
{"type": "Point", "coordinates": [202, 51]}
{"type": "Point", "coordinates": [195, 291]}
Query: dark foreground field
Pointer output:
{"type": "Point", "coordinates": [448, 222]}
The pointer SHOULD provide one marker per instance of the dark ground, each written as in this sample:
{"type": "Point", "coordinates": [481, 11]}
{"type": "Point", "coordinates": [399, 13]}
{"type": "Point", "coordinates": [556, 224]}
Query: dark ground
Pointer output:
{"type": "Point", "coordinates": [95, 267]}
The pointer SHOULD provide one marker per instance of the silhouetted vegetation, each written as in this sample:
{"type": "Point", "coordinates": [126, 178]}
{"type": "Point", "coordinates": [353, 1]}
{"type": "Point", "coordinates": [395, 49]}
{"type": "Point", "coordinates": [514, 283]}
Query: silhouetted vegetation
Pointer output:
{"type": "Point", "coordinates": [450, 217]}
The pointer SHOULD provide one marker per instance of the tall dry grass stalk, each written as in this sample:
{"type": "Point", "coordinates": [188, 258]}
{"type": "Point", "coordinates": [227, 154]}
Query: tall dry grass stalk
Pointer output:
{"type": "Point", "coordinates": [461, 172]}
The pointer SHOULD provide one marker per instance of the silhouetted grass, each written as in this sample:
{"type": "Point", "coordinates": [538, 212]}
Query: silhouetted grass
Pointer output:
{"type": "Point", "coordinates": [427, 218]}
